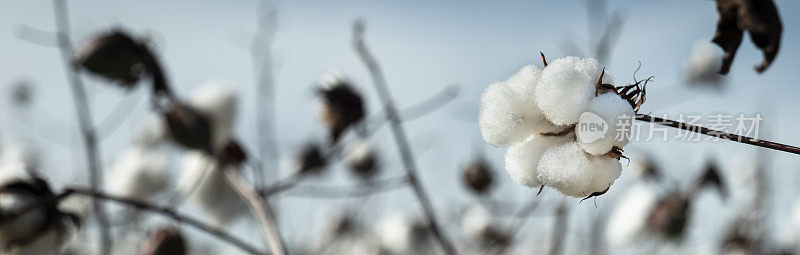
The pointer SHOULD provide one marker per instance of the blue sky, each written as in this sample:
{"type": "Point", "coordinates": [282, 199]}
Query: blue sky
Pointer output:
{"type": "Point", "coordinates": [423, 46]}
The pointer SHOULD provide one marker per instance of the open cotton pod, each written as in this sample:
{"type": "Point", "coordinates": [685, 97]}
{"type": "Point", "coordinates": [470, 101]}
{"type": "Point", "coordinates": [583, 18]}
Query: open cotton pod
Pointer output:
{"type": "Point", "coordinates": [522, 159]}
{"type": "Point", "coordinates": [629, 218]}
{"type": "Point", "coordinates": [138, 173]}
{"type": "Point", "coordinates": [509, 113]}
{"type": "Point", "coordinates": [703, 65]}
{"type": "Point", "coordinates": [216, 101]}
{"type": "Point", "coordinates": [575, 173]}
{"type": "Point", "coordinates": [42, 230]}
{"type": "Point", "coordinates": [342, 105]}
{"type": "Point", "coordinates": [202, 182]}
{"type": "Point", "coordinates": [566, 88]}
{"type": "Point", "coordinates": [399, 233]}
{"type": "Point", "coordinates": [606, 124]}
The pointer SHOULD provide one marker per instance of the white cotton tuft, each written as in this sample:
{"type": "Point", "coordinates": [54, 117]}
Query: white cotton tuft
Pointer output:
{"type": "Point", "coordinates": [204, 184]}
{"type": "Point", "coordinates": [394, 233]}
{"type": "Point", "coordinates": [566, 86]}
{"type": "Point", "coordinates": [18, 153]}
{"type": "Point", "coordinates": [522, 159]}
{"type": "Point", "coordinates": [475, 221]}
{"type": "Point", "coordinates": [50, 240]}
{"type": "Point", "coordinates": [628, 219]}
{"type": "Point", "coordinates": [332, 78]}
{"type": "Point", "coordinates": [606, 123]}
{"type": "Point", "coordinates": [217, 101]}
{"type": "Point", "coordinates": [573, 172]}
{"type": "Point", "coordinates": [138, 173]}
{"type": "Point", "coordinates": [704, 63]}
{"type": "Point", "coordinates": [509, 112]}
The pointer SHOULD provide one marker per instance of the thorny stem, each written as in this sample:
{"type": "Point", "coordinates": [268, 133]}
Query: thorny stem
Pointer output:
{"type": "Point", "coordinates": [259, 208]}
{"type": "Point", "coordinates": [719, 134]}
{"type": "Point", "coordinates": [399, 135]}
{"type": "Point", "coordinates": [166, 211]}
{"type": "Point", "coordinates": [84, 119]}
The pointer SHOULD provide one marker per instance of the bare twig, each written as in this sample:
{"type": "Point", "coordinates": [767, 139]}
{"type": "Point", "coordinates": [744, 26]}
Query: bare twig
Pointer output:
{"type": "Point", "coordinates": [265, 92]}
{"type": "Point", "coordinates": [168, 212]}
{"type": "Point", "coordinates": [348, 191]}
{"type": "Point", "coordinates": [259, 209]}
{"type": "Point", "coordinates": [519, 220]}
{"type": "Point", "coordinates": [84, 118]}
{"type": "Point", "coordinates": [399, 134]}
{"type": "Point", "coordinates": [718, 134]}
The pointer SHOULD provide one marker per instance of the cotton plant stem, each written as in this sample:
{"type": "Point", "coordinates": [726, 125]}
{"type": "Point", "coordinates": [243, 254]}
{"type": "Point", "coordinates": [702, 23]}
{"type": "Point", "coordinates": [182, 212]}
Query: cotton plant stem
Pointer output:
{"type": "Point", "coordinates": [519, 220]}
{"type": "Point", "coordinates": [84, 120]}
{"type": "Point", "coordinates": [259, 208]}
{"type": "Point", "coordinates": [719, 134]}
{"type": "Point", "coordinates": [168, 212]}
{"type": "Point", "coordinates": [265, 93]}
{"type": "Point", "coordinates": [399, 135]}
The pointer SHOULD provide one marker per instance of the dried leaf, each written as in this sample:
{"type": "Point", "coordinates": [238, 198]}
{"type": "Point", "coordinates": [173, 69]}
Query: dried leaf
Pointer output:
{"type": "Point", "coordinates": [760, 18]}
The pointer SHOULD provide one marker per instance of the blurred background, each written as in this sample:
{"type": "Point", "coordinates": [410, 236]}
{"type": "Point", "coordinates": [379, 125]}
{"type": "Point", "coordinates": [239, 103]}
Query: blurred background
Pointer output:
{"type": "Point", "coordinates": [423, 48]}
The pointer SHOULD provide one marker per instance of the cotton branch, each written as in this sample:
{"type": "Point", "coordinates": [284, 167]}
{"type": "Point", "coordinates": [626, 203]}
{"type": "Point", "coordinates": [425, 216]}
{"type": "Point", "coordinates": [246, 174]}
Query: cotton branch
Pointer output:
{"type": "Point", "coordinates": [265, 92]}
{"type": "Point", "coordinates": [399, 134]}
{"type": "Point", "coordinates": [719, 134]}
{"type": "Point", "coordinates": [259, 208]}
{"type": "Point", "coordinates": [84, 120]}
{"type": "Point", "coordinates": [165, 211]}
{"type": "Point", "coordinates": [559, 230]}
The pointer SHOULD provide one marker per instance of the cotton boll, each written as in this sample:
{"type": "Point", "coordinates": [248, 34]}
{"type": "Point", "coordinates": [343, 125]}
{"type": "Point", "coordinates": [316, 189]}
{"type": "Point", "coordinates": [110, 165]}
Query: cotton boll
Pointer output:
{"type": "Point", "coordinates": [522, 159]}
{"type": "Point", "coordinates": [704, 63]}
{"type": "Point", "coordinates": [18, 153]}
{"type": "Point", "coordinates": [573, 172]}
{"type": "Point", "coordinates": [398, 233]}
{"type": "Point", "coordinates": [475, 221]}
{"type": "Point", "coordinates": [204, 184]}
{"type": "Point", "coordinates": [42, 230]}
{"type": "Point", "coordinates": [139, 173]}
{"type": "Point", "coordinates": [217, 101]}
{"type": "Point", "coordinates": [629, 218]}
{"type": "Point", "coordinates": [566, 88]}
{"type": "Point", "coordinates": [616, 119]}
{"type": "Point", "coordinates": [506, 117]}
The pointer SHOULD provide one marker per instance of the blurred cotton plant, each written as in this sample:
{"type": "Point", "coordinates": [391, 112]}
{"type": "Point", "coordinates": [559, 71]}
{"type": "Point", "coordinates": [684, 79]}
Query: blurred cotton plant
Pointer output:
{"type": "Point", "coordinates": [30, 222]}
{"type": "Point", "coordinates": [478, 177]}
{"type": "Point", "coordinates": [342, 106]}
{"type": "Point", "coordinates": [539, 112]}
{"type": "Point", "coordinates": [703, 64]}
{"type": "Point", "coordinates": [402, 234]}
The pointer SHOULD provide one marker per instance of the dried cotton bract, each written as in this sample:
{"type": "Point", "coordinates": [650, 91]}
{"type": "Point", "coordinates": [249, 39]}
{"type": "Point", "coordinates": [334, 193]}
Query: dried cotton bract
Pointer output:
{"type": "Point", "coordinates": [538, 112]}
{"type": "Point", "coordinates": [42, 230]}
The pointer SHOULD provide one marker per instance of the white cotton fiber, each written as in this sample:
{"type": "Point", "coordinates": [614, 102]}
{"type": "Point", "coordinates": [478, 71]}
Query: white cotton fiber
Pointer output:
{"type": "Point", "coordinates": [476, 221]}
{"type": "Point", "coordinates": [138, 173]}
{"type": "Point", "coordinates": [704, 63]}
{"type": "Point", "coordinates": [629, 218]}
{"type": "Point", "coordinates": [522, 159]}
{"type": "Point", "coordinates": [217, 101]}
{"type": "Point", "coordinates": [566, 87]}
{"type": "Point", "coordinates": [617, 119]}
{"type": "Point", "coordinates": [204, 184]}
{"type": "Point", "coordinates": [573, 172]}
{"type": "Point", "coordinates": [509, 112]}
{"type": "Point", "coordinates": [394, 233]}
